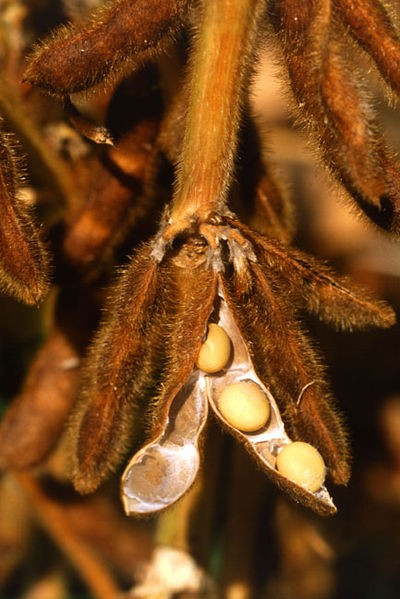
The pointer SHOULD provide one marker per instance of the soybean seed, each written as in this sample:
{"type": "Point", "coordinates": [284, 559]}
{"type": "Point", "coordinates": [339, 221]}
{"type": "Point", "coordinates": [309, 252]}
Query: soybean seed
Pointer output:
{"type": "Point", "coordinates": [216, 350]}
{"type": "Point", "coordinates": [303, 464]}
{"type": "Point", "coordinates": [244, 406]}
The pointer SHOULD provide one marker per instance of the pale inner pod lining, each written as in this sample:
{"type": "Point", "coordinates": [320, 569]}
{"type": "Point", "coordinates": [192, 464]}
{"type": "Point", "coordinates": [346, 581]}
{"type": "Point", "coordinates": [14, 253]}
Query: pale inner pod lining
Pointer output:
{"type": "Point", "coordinates": [162, 471]}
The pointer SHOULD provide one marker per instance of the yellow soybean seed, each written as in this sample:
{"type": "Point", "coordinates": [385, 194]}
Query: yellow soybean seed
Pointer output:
{"type": "Point", "coordinates": [303, 464]}
{"type": "Point", "coordinates": [216, 350]}
{"type": "Point", "coordinates": [245, 406]}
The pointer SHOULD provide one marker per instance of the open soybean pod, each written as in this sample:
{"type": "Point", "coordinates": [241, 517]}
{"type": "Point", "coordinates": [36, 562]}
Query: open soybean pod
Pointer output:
{"type": "Point", "coordinates": [284, 357]}
{"type": "Point", "coordinates": [162, 471]}
{"type": "Point", "coordinates": [165, 468]}
{"type": "Point", "coordinates": [265, 443]}
{"type": "Point", "coordinates": [140, 359]}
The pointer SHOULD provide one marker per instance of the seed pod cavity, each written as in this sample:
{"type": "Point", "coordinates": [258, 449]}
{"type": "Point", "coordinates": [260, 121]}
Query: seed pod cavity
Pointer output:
{"type": "Point", "coordinates": [266, 443]}
{"type": "Point", "coordinates": [161, 472]}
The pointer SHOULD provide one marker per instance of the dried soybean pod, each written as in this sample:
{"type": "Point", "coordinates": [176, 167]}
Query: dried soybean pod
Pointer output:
{"type": "Point", "coordinates": [369, 23]}
{"type": "Point", "coordinates": [118, 36]}
{"type": "Point", "coordinates": [165, 468]}
{"type": "Point", "coordinates": [334, 105]}
{"type": "Point", "coordinates": [283, 356]}
{"type": "Point", "coordinates": [23, 258]}
{"type": "Point", "coordinates": [190, 305]}
{"type": "Point", "coordinates": [119, 370]}
{"type": "Point", "coordinates": [336, 300]}
{"type": "Point", "coordinates": [35, 420]}
{"type": "Point", "coordinates": [264, 443]}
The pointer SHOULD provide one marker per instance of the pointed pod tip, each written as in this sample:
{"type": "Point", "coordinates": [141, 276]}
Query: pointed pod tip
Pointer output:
{"type": "Point", "coordinates": [85, 483]}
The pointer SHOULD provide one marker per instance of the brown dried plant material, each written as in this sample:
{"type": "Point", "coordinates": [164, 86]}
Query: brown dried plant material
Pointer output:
{"type": "Point", "coordinates": [257, 195]}
{"type": "Point", "coordinates": [51, 585]}
{"type": "Point", "coordinates": [85, 127]}
{"type": "Point", "coordinates": [33, 424]}
{"type": "Point", "coordinates": [116, 200]}
{"type": "Point", "coordinates": [121, 194]}
{"type": "Point", "coordinates": [78, 10]}
{"type": "Point", "coordinates": [35, 420]}
{"type": "Point", "coordinates": [148, 348]}
{"type": "Point", "coordinates": [118, 36]}
{"type": "Point", "coordinates": [307, 561]}
{"type": "Point", "coordinates": [246, 496]}
{"type": "Point", "coordinates": [103, 425]}
{"type": "Point", "coordinates": [123, 543]}
{"type": "Point", "coordinates": [46, 167]}
{"type": "Point", "coordinates": [262, 202]}
{"type": "Point", "coordinates": [23, 258]}
{"type": "Point", "coordinates": [334, 105]}
{"type": "Point", "coordinates": [302, 397]}
{"type": "Point", "coordinates": [315, 287]}
{"type": "Point", "coordinates": [221, 60]}
{"type": "Point", "coordinates": [127, 361]}
{"type": "Point", "coordinates": [369, 23]}
{"type": "Point", "coordinates": [145, 353]}
{"type": "Point", "coordinates": [15, 526]}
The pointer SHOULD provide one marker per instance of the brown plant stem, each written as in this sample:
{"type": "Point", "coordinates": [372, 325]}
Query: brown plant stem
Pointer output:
{"type": "Point", "coordinates": [91, 570]}
{"type": "Point", "coordinates": [220, 64]}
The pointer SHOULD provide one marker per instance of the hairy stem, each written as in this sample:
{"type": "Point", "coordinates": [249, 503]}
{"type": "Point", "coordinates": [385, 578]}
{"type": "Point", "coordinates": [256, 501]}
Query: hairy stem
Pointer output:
{"type": "Point", "coordinates": [222, 55]}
